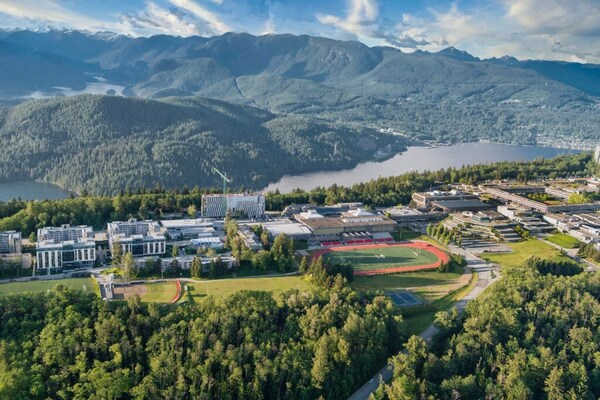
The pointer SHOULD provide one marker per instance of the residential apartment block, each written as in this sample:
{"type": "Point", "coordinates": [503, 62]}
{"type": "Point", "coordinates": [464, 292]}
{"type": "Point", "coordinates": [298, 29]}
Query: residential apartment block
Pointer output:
{"type": "Point", "coordinates": [140, 238]}
{"type": "Point", "coordinates": [65, 248]}
{"type": "Point", "coordinates": [10, 242]}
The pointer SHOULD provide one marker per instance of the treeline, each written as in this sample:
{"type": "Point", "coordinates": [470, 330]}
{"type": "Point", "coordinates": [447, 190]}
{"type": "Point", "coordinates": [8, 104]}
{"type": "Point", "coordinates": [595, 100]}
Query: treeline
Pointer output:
{"type": "Point", "coordinates": [534, 336]}
{"type": "Point", "coordinates": [28, 216]}
{"type": "Point", "coordinates": [326, 274]}
{"type": "Point", "coordinates": [395, 190]}
{"type": "Point", "coordinates": [589, 251]}
{"type": "Point", "coordinates": [444, 235]}
{"type": "Point", "coordinates": [68, 344]}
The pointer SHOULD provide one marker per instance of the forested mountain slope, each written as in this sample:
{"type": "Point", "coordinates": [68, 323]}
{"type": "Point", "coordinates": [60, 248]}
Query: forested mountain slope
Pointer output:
{"type": "Point", "coordinates": [104, 144]}
{"type": "Point", "coordinates": [447, 96]}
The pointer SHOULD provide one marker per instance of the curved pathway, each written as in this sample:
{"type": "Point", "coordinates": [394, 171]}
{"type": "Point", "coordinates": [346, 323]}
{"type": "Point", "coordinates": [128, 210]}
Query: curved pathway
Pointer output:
{"type": "Point", "coordinates": [485, 279]}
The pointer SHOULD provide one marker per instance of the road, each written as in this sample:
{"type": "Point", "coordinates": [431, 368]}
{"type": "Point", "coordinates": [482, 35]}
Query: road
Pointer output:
{"type": "Point", "coordinates": [485, 279]}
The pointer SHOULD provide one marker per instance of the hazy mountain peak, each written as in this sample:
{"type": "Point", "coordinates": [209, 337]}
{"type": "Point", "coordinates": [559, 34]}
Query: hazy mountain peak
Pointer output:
{"type": "Point", "coordinates": [457, 54]}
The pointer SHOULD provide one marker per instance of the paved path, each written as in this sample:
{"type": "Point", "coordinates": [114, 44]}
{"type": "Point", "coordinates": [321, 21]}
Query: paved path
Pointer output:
{"type": "Point", "coordinates": [485, 279]}
{"type": "Point", "coordinates": [572, 254]}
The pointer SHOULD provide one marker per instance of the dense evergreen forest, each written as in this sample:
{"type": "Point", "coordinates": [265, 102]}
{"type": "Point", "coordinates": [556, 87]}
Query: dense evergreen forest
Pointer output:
{"type": "Point", "coordinates": [28, 216]}
{"type": "Point", "coordinates": [102, 144]}
{"type": "Point", "coordinates": [448, 96]}
{"type": "Point", "coordinates": [534, 335]}
{"type": "Point", "coordinates": [71, 345]}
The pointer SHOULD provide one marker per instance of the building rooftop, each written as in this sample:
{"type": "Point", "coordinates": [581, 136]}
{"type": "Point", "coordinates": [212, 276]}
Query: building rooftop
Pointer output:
{"type": "Point", "coordinates": [185, 223]}
{"type": "Point", "coordinates": [286, 227]}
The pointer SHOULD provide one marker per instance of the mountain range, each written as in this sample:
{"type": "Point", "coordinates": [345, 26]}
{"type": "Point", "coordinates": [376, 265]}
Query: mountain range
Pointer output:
{"type": "Point", "coordinates": [449, 96]}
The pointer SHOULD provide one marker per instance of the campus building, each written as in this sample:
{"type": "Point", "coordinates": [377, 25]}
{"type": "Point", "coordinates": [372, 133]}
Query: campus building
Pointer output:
{"type": "Point", "coordinates": [10, 242]}
{"type": "Point", "coordinates": [65, 248]}
{"type": "Point", "coordinates": [357, 221]}
{"type": "Point", "coordinates": [517, 196]}
{"type": "Point", "coordinates": [140, 238]}
{"type": "Point", "coordinates": [425, 199]}
{"type": "Point", "coordinates": [236, 205]}
{"type": "Point", "coordinates": [185, 229]}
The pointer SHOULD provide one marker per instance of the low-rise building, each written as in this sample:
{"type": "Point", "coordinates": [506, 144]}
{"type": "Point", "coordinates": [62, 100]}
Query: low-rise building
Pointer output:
{"type": "Point", "coordinates": [209, 242]}
{"type": "Point", "coordinates": [10, 242]}
{"type": "Point", "coordinates": [359, 220]}
{"type": "Point", "coordinates": [294, 230]}
{"type": "Point", "coordinates": [179, 229]}
{"type": "Point", "coordinates": [424, 199]}
{"type": "Point", "coordinates": [250, 239]}
{"type": "Point", "coordinates": [140, 238]}
{"type": "Point", "coordinates": [236, 205]}
{"type": "Point", "coordinates": [65, 248]}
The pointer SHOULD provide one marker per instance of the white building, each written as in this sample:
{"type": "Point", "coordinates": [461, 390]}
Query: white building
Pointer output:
{"type": "Point", "coordinates": [140, 238]}
{"type": "Point", "coordinates": [179, 229]}
{"type": "Point", "coordinates": [65, 248]}
{"type": "Point", "coordinates": [237, 205]}
{"type": "Point", "coordinates": [209, 242]}
{"type": "Point", "coordinates": [10, 242]}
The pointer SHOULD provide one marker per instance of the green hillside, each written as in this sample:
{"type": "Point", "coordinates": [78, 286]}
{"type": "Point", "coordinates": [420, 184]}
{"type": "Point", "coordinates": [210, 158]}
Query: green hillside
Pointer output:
{"type": "Point", "coordinates": [104, 144]}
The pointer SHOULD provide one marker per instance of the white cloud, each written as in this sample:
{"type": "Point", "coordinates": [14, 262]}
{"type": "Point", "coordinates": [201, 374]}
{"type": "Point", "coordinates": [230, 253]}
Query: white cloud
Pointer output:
{"type": "Point", "coordinates": [154, 19]}
{"type": "Point", "coordinates": [361, 18]}
{"type": "Point", "coordinates": [52, 12]}
{"type": "Point", "coordinates": [212, 19]}
{"type": "Point", "coordinates": [556, 17]}
{"type": "Point", "coordinates": [269, 26]}
{"type": "Point", "coordinates": [541, 29]}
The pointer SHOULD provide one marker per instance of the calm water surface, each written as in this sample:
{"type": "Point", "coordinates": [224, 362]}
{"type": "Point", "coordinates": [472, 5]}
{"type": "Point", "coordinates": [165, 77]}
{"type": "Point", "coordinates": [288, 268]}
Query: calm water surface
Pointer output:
{"type": "Point", "coordinates": [415, 158]}
{"type": "Point", "coordinates": [419, 159]}
{"type": "Point", "coordinates": [31, 191]}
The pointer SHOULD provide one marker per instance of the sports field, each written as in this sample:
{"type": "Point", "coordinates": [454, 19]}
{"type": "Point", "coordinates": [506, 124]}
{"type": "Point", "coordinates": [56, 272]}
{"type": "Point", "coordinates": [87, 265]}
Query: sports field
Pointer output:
{"type": "Point", "coordinates": [44, 285]}
{"type": "Point", "coordinates": [386, 258]}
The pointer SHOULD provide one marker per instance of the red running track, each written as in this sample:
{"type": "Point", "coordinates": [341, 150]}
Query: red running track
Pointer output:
{"type": "Point", "coordinates": [178, 294]}
{"type": "Point", "coordinates": [441, 255]}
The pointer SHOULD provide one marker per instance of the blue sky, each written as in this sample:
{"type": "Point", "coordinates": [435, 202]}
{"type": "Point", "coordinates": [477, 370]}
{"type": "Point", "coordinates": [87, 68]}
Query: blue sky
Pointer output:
{"type": "Point", "coordinates": [540, 29]}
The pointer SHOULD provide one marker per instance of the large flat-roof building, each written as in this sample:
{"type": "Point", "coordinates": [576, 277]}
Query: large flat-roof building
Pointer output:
{"type": "Point", "coordinates": [294, 230]}
{"type": "Point", "coordinates": [179, 229]}
{"type": "Point", "coordinates": [65, 248]}
{"type": "Point", "coordinates": [516, 195]}
{"type": "Point", "coordinates": [10, 242]}
{"type": "Point", "coordinates": [425, 199]}
{"type": "Point", "coordinates": [140, 238]}
{"type": "Point", "coordinates": [359, 220]}
{"type": "Point", "coordinates": [236, 205]}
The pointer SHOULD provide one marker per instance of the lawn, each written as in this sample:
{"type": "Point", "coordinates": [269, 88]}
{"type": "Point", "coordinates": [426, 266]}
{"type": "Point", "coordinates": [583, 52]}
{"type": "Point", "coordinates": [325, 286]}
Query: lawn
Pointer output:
{"type": "Point", "coordinates": [165, 291]}
{"type": "Point", "coordinates": [223, 287]}
{"type": "Point", "coordinates": [564, 240]}
{"type": "Point", "coordinates": [429, 285]}
{"type": "Point", "coordinates": [42, 286]}
{"type": "Point", "coordinates": [162, 292]}
{"type": "Point", "coordinates": [404, 234]}
{"type": "Point", "coordinates": [521, 251]}
{"type": "Point", "coordinates": [419, 318]}
{"type": "Point", "coordinates": [368, 259]}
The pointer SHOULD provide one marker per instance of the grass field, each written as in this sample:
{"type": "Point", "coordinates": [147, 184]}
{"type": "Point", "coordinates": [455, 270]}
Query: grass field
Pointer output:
{"type": "Point", "coordinates": [405, 234]}
{"type": "Point", "coordinates": [382, 258]}
{"type": "Point", "coordinates": [419, 318]}
{"type": "Point", "coordinates": [429, 285]}
{"type": "Point", "coordinates": [522, 251]}
{"type": "Point", "coordinates": [159, 292]}
{"type": "Point", "coordinates": [223, 287]}
{"type": "Point", "coordinates": [42, 286]}
{"type": "Point", "coordinates": [564, 240]}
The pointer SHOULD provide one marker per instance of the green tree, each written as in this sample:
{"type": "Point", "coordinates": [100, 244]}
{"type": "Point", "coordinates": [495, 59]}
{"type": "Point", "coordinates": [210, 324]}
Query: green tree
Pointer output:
{"type": "Point", "coordinates": [196, 268]}
{"type": "Point", "coordinates": [128, 266]}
